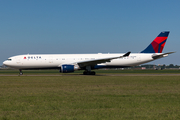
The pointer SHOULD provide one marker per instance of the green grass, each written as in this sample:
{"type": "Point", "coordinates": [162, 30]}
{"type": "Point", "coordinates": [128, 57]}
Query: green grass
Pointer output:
{"type": "Point", "coordinates": [89, 97]}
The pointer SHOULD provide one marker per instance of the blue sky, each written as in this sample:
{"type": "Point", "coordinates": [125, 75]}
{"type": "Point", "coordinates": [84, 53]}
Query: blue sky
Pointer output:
{"type": "Point", "coordinates": [87, 26]}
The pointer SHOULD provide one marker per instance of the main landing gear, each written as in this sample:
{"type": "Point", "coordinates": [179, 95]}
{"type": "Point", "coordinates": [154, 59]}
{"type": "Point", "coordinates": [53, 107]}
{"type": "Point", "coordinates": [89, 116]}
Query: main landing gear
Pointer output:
{"type": "Point", "coordinates": [88, 71]}
{"type": "Point", "coordinates": [20, 72]}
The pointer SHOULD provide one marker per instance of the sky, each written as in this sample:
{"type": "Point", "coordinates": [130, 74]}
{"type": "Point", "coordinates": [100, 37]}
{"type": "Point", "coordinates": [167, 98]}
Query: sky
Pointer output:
{"type": "Point", "coordinates": [87, 26]}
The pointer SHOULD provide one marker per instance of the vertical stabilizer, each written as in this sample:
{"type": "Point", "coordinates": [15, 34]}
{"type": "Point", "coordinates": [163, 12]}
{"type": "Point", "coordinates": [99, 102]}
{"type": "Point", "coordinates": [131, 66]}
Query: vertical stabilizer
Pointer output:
{"type": "Point", "coordinates": [157, 44]}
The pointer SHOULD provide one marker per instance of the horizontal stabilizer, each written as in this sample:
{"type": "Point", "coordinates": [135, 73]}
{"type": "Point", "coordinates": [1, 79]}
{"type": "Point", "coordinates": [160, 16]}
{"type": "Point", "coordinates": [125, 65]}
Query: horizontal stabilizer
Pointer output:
{"type": "Point", "coordinates": [157, 56]}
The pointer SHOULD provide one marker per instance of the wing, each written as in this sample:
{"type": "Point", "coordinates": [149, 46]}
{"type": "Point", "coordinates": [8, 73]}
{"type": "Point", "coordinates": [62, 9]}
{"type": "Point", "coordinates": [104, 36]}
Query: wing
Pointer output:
{"type": "Point", "coordinates": [98, 61]}
{"type": "Point", "coordinates": [157, 56]}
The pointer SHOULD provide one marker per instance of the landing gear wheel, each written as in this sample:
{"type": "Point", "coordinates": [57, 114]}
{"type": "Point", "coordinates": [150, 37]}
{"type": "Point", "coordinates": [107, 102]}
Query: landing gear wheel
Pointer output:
{"type": "Point", "coordinates": [93, 73]}
{"type": "Point", "coordinates": [89, 73]}
{"type": "Point", "coordinates": [20, 72]}
{"type": "Point", "coordinates": [84, 73]}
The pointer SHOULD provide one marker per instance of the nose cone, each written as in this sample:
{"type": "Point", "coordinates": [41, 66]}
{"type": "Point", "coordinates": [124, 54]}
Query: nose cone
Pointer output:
{"type": "Point", "coordinates": [4, 63]}
{"type": "Point", "coordinates": [8, 62]}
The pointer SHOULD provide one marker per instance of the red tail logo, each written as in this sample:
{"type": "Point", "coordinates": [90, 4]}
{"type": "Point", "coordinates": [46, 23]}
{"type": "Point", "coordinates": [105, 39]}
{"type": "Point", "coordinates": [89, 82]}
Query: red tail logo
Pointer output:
{"type": "Point", "coordinates": [157, 44]}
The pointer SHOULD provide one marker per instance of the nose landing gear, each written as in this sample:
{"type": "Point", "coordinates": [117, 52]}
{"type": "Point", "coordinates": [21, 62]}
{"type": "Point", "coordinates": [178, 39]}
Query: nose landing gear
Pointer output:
{"type": "Point", "coordinates": [20, 72]}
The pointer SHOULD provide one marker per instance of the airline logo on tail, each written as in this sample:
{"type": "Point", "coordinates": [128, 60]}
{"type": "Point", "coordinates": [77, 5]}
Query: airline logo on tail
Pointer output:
{"type": "Point", "coordinates": [157, 44]}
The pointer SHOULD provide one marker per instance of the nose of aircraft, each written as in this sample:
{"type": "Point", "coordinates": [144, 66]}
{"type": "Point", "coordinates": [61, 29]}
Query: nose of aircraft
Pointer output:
{"type": "Point", "coordinates": [4, 63]}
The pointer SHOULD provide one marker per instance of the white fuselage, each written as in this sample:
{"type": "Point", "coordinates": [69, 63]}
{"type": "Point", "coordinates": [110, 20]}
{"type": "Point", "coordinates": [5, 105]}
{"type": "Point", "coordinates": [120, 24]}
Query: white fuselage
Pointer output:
{"type": "Point", "coordinates": [38, 61]}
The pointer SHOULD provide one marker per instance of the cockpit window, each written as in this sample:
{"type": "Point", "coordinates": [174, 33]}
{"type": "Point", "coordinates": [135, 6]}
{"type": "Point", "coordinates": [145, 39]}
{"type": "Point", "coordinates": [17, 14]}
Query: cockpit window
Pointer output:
{"type": "Point", "coordinates": [9, 59]}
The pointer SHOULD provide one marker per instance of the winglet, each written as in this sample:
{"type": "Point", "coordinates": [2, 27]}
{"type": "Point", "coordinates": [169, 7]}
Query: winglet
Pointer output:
{"type": "Point", "coordinates": [127, 54]}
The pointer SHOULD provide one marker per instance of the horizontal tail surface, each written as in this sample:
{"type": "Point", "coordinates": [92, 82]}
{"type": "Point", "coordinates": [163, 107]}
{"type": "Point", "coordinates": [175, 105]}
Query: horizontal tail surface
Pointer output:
{"type": "Point", "coordinates": [157, 44]}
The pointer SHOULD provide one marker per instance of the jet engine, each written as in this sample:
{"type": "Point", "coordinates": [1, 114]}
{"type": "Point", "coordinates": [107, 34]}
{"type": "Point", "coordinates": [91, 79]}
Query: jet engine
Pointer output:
{"type": "Point", "coordinates": [68, 68]}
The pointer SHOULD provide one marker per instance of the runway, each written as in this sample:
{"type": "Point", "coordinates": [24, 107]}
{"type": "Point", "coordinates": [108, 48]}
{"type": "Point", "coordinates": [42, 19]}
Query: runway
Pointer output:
{"type": "Point", "coordinates": [164, 74]}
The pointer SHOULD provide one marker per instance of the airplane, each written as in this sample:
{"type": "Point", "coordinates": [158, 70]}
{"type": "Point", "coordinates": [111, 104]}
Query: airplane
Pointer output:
{"type": "Point", "coordinates": [67, 63]}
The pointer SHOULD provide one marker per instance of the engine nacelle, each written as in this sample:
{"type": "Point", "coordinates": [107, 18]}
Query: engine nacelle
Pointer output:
{"type": "Point", "coordinates": [67, 68]}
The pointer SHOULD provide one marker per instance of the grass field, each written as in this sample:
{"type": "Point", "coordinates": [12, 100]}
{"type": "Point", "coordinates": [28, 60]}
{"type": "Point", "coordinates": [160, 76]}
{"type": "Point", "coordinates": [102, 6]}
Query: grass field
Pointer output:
{"type": "Point", "coordinates": [89, 97]}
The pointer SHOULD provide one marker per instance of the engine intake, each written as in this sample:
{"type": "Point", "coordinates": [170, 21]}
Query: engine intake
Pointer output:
{"type": "Point", "coordinates": [67, 68]}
